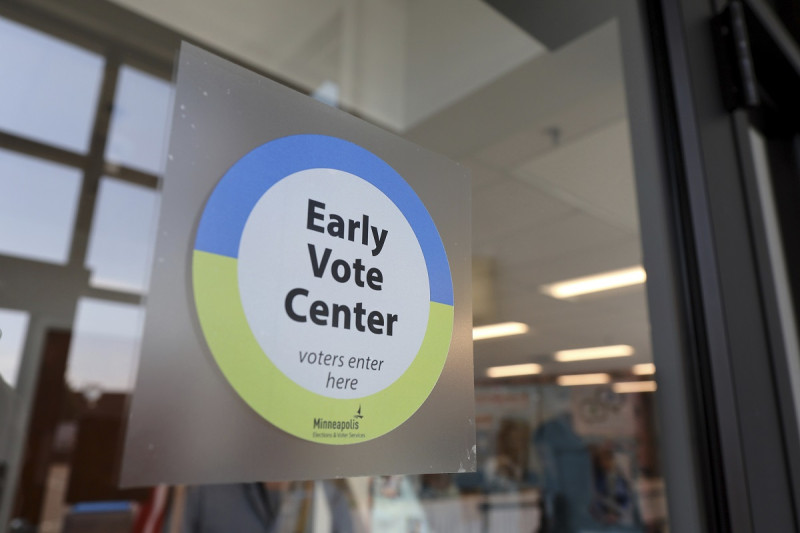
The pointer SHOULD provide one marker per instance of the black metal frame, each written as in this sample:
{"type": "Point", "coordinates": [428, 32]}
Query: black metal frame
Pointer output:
{"type": "Point", "coordinates": [748, 460]}
{"type": "Point", "coordinates": [692, 368]}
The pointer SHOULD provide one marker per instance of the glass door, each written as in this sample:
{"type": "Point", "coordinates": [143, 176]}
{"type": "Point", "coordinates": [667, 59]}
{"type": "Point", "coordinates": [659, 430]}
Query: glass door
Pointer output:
{"type": "Point", "coordinates": [575, 308]}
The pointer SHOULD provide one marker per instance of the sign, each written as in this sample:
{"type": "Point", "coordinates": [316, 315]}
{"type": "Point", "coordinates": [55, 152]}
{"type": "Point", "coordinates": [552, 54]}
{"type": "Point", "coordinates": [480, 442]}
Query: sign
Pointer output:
{"type": "Point", "coordinates": [318, 271]}
{"type": "Point", "coordinates": [309, 311]}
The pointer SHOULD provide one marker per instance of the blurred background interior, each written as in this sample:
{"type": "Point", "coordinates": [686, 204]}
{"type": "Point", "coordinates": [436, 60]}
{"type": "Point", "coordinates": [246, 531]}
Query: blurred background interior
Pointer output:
{"type": "Point", "coordinates": [564, 404]}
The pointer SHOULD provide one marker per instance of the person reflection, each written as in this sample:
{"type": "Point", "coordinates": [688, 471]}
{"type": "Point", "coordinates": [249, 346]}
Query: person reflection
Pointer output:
{"type": "Point", "coordinates": [507, 469]}
{"type": "Point", "coordinates": [612, 502]}
{"type": "Point", "coordinates": [280, 507]}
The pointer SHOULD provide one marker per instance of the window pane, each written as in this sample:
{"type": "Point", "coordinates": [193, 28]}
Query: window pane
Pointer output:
{"type": "Point", "coordinates": [38, 202]}
{"type": "Point", "coordinates": [122, 236]}
{"type": "Point", "coordinates": [139, 122]}
{"type": "Point", "coordinates": [104, 348]}
{"type": "Point", "coordinates": [49, 87]}
{"type": "Point", "coordinates": [13, 330]}
{"type": "Point", "coordinates": [543, 124]}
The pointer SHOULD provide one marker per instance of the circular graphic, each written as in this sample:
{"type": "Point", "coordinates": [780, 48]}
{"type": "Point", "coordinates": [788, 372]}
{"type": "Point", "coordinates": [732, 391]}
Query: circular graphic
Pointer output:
{"type": "Point", "coordinates": [323, 289]}
{"type": "Point", "coordinates": [386, 277]}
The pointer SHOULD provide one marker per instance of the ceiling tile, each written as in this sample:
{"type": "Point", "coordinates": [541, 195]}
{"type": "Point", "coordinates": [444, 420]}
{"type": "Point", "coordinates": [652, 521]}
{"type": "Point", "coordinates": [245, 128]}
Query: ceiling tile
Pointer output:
{"type": "Point", "coordinates": [507, 206]}
{"type": "Point", "coordinates": [593, 173]}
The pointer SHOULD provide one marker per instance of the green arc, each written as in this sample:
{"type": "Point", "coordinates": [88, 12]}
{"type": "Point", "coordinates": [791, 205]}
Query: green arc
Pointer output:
{"type": "Point", "coordinates": [280, 400]}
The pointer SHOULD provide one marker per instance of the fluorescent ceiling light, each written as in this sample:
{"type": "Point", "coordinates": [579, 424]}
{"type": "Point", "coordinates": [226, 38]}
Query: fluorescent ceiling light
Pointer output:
{"type": "Point", "coordinates": [583, 379]}
{"type": "Point", "coordinates": [625, 387]}
{"type": "Point", "coordinates": [645, 369]}
{"type": "Point", "coordinates": [598, 352]}
{"type": "Point", "coordinates": [514, 370]}
{"type": "Point", "coordinates": [503, 329]}
{"type": "Point", "coordinates": [597, 283]}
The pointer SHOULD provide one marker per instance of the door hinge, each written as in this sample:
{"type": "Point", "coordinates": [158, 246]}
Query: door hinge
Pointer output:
{"type": "Point", "coordinates": [737, 76]}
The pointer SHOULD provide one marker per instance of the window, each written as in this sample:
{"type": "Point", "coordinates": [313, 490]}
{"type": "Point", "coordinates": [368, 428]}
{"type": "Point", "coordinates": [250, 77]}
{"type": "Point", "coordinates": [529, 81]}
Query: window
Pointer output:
{"type": "Point", "coordinates": [39, 74]}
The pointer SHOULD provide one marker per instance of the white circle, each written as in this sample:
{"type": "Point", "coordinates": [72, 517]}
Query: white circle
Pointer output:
{"type": "Point", "coordinates": [275, 258]}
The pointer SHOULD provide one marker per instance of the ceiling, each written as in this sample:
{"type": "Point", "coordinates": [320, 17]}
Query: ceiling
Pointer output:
{"type": "Point", "coordinates": [395, 62]}
{"type": "Point", "coordinates": [545, 134]}
{"type": "Point", "coordinates": [553, 198]}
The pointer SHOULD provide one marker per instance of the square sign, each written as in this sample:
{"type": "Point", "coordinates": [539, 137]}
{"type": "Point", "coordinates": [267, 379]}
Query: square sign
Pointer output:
{"type": "Point", "coordinates": [309, 313]}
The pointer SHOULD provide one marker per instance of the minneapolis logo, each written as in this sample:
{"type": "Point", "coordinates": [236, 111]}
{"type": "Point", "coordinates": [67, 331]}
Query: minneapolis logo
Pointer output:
{"type": "Point", "coordinates": [353, 423]}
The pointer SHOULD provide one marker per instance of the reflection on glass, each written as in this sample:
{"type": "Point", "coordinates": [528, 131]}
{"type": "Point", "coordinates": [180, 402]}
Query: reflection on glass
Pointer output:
{"type": "Point", "coordinates": [582, 453]}
{"type": "Point", "coordinates": [549, 459]}
{"type": "Point", "coordinates": [13, 330]}
{"type": "Point", "coordinates": [50, 87]}
{"type": "Point", "coordinates": [104, 348]}
{"type": "Point", "coordinates": [454, 48]}
{"type": "Point", "coordinates": [138, 130]}
{"type": "Point", "coordinates": [38, 202]}
{"type": "Point", "coordinates": [122, 236]}
{"type": "Point", "coordinates": [544, 131]}
{"type": "Point", "coordinates": [320, 506]}
{"type": "Point", "coordinates": [570, 445]}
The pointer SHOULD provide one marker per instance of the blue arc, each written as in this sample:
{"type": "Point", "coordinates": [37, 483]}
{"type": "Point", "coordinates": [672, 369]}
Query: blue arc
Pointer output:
{"type": "Point", "coordinates": [222, 223]}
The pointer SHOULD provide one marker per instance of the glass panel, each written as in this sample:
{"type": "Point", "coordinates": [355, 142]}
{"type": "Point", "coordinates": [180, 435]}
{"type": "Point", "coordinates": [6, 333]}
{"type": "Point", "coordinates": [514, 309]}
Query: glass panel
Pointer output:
{"type": "Point", "coordinates": [13, 331]}
{"type": "Point", "coordinates": [50, 87]}
{"type": "Point", "coordinates": [139, 123]}
{"type": "Point", "coordinates": [122, 236]}
{"type": "Point", "coordinates": [38, 203]}
{"type": "Point", "coordinates": [562, 411]}
{"type": "Point", "coordinates": [566, 438]}
{"type": "Point", "coordinates": [104, 348]}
